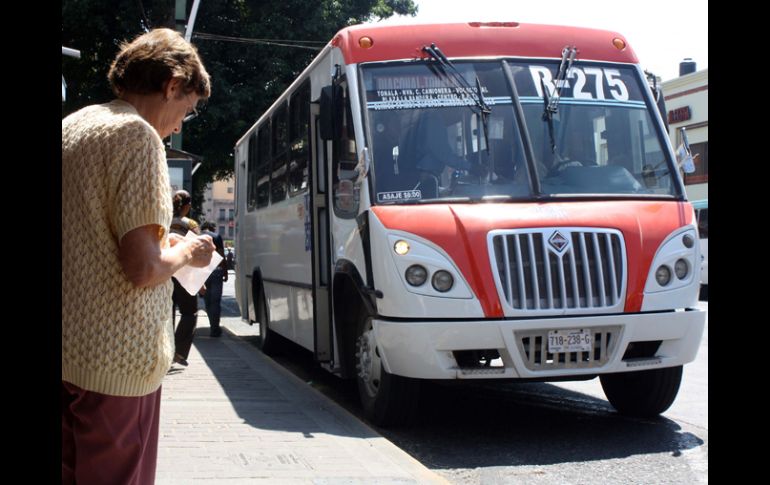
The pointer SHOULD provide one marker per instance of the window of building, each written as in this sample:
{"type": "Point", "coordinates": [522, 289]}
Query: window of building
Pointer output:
{"type": "Point", "coordinates": [221, 230]}
{"type": "Point", "coordinates": [231, 214]}
{"type": "Point", "coordinates": [221, 214]}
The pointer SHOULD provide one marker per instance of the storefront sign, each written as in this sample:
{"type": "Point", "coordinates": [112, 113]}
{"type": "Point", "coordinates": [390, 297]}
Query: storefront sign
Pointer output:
{"type": "Point", "coordinates": [680, 114]}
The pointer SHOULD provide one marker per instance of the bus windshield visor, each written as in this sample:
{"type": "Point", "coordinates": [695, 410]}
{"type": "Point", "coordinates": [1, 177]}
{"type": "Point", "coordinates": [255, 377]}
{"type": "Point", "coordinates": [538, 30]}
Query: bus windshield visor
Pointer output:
{"type": "Point", "coordinates": [431, 141]}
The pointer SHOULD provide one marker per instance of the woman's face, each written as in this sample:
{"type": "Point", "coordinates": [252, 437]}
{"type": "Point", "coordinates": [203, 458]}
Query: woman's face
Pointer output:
{"type": "Point", "coordinates": [174, 111]}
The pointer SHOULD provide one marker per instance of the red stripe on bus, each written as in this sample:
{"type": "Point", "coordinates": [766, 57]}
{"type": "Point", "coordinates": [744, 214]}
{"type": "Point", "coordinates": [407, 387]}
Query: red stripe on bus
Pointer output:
{"type": "Point", "coordinates": [461, 231]}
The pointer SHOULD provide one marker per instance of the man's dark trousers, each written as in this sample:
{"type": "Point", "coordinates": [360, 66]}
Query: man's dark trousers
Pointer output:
{"type": "Point", "coordinates": [213, 299]}
{"type": "Point", "coordinates": [188, 308]}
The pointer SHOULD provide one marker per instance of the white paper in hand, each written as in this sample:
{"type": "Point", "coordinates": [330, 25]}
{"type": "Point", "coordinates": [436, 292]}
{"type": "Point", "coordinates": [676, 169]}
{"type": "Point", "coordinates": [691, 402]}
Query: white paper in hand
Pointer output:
{"type": "Point", "coordinates": [192, 278]}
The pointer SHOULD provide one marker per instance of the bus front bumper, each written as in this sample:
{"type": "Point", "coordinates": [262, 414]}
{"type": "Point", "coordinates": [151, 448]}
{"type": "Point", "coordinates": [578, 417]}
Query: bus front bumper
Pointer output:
{"type": "Point", "coordinates": [430, 349]}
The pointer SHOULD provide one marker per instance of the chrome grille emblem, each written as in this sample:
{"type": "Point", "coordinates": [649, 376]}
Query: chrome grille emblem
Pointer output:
{"type": "Point", "coordinates": [558, 241]}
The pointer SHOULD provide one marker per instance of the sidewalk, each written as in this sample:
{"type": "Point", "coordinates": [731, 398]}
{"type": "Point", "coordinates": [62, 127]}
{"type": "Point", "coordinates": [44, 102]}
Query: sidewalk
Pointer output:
{"type": "Point", "coordinates": [235, 417]}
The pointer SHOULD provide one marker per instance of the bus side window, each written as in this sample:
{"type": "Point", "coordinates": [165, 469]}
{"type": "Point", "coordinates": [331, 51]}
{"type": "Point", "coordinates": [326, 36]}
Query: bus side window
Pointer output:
{"type": "Point", "coordinates": [251, 171]}
{"type": "Point", "coordinates": [299, 140]}
{"type": "Point", "coordinates": [280, 160]}
{"type": "Point", "coordinates": [263, 166]}
{"type": "Point", "coordinates": [345, 191]}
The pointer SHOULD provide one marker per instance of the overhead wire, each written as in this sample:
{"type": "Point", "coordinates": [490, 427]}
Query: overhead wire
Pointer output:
{"type": "Point", "coordinates": [277, 42]}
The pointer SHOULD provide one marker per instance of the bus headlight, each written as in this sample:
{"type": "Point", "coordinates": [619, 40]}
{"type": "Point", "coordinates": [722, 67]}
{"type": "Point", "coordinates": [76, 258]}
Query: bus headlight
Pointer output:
{"type": "Point", "coordinates": [401, 247]}
{"type": "Point", "coordinates": [424, 269]}
{"type": "Point", "coordinates": [673, 275]}
{"type": "Point", "coordinates": [416, 275]}
{"type": "Point", "coordinates": [663, 275]}
{"type": "Point", "coordinates": [681, 269]}
{"type": "Point", "coordinates": [442, 281]}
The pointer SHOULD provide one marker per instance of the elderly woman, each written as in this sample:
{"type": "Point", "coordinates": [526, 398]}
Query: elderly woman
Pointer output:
{"type": "Point", "coordinates": [118, 258]}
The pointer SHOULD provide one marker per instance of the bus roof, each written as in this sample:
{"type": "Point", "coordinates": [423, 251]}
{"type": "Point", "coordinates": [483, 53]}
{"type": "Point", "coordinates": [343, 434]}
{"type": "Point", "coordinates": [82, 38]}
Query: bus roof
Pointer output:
{"type": "Point", "coordinates": [479, 39]}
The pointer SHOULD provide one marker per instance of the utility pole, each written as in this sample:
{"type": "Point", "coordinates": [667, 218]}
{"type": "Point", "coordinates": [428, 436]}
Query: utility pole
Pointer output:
{"type": "Point", "coordinates": [185, 28]}
{"type": "Point", "coordinates": [66, 51]}
{"type": "Point", "coordinates": [180, 21]}
{"type": "Point", "coordinates": [183, 162]}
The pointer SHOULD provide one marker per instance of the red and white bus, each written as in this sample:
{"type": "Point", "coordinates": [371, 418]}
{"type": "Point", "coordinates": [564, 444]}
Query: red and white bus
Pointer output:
{"type": "Point", "coordinates": [471, 201]}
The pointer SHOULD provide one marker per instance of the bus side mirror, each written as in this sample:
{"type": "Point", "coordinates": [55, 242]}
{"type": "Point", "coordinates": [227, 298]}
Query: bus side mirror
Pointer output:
{"type": "Point", "coordinates": [330, 101]}
{"type": "Point", "coordinates": [657, 96]}
{"type": "Point", "coordinates": [661, 103]}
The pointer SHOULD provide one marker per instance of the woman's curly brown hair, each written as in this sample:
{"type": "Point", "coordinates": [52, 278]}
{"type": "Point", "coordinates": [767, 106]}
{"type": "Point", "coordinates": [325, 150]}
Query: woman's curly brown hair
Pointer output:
{"type": "Point", "coordinates": [143, 65]}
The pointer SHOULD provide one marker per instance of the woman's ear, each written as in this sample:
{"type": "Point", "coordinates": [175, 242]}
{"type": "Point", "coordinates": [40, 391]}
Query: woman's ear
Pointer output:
{"type": "Point", "coordinates": [171, 88]}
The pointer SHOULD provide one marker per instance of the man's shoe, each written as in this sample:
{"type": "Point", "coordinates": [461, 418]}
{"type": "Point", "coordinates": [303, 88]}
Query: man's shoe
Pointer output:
{"type": "Point", "coordinates": [181, 360]}
{"type": "Point", "coordinates": [216, 332]}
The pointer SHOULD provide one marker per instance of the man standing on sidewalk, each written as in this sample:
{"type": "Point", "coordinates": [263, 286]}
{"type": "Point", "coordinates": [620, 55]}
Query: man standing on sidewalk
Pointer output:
{"type": "Point", "coordinates": [187, 303]}
{"type": "Point", "coordinates": [212, 294]}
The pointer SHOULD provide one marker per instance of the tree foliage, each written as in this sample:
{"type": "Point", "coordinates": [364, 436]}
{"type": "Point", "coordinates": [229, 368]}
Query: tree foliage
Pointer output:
{"type": "Point", "coordinates": [246, 77]}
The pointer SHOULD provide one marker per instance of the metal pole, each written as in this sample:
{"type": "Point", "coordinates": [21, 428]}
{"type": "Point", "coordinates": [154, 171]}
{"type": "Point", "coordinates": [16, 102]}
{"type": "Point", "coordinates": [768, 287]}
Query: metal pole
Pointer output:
{"type": "Point", "coordinates": [66, 51]}
{"type": "Point", "coordinates": [180, 15]}
{"type": "Point", "coordinates": [191, 23]}
{"type": "Point", "coordinates": [186, 28]}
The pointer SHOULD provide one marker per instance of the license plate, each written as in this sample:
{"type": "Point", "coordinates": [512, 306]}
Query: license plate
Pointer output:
{"type": "Point", "coordinates": [572, 340]}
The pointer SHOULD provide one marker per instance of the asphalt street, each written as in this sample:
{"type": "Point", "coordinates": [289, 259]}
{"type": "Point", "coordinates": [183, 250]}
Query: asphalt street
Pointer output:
{"type": "Point", "coordinates": [541, 433]}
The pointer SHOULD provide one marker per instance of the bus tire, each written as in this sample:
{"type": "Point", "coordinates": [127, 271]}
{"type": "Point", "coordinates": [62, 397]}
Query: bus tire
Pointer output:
{"type": "Point", "coordinates": [642, 394]}
{"type": "Point", "coordinates": [387, 399]}
{"type": "Point", "coordinates": [268, 340]}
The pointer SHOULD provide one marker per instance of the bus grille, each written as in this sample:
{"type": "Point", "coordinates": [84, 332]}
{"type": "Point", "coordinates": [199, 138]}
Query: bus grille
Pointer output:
{"type": "Point", "coordinates": [534, 350]}
{"type": "Point", "coordinates": [560, 270]}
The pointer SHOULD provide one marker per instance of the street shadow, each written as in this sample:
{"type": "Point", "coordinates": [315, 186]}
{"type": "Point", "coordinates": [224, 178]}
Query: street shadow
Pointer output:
{"type": "Point", "coordinates": [255, 390]}
{"type": "Point", "coordinates": [490, 424]}
{"type": "Point", "coordinates": [486, 423]}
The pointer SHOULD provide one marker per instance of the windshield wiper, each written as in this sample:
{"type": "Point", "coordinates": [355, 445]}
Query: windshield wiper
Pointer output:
{"type": "Point", "coordinates": [521, 123]}
{"type": "Point", "coordinates": [459, 81]}
{"type": "Point", "coordinates": [551, 103]}
{"type": "Point", "coordinates": [567, 58]}
{"type": "Point", "coordinates": [548, 115]}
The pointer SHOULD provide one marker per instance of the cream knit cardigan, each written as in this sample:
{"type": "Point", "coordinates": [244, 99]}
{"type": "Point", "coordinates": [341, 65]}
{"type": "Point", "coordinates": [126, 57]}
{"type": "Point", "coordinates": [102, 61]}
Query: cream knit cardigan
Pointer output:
{"type": "Point", "coordinates": [116, 339]}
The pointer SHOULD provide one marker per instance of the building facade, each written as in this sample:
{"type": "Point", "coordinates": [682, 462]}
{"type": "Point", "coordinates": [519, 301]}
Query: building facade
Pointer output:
{"type": "Point", "coordinates": [687, 106]}
{"type": "Point", "coordinates": [219, 207]}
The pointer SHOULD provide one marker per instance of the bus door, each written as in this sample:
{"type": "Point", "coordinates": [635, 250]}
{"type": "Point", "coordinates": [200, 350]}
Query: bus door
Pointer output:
{"type": "Point", "coordinates": [241, 175]}
{"type": "Point", "coordinates": [337, 190]}
{"type": "Point", "coordinates": [320, 233]}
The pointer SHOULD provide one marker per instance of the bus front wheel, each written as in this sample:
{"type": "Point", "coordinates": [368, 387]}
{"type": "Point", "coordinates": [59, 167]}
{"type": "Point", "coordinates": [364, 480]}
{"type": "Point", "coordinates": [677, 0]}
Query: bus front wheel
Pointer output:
{"type": "Point", "coordinates": [387, 399]}
{"type": "Point", "coordinates": [642, 394]}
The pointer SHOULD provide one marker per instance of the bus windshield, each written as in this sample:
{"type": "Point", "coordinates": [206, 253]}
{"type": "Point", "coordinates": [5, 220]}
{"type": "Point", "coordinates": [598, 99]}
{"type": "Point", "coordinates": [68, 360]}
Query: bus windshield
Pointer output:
{"type": "Point", "coordinates": [430, 141]}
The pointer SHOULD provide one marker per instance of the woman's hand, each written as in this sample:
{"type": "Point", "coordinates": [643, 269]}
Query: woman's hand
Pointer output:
{"type": "Point", "coordinates": [201, 248]}
{"type": "Point", "coordinates": [173, 239]}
